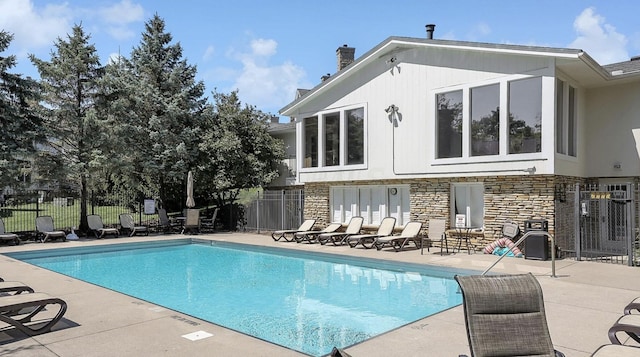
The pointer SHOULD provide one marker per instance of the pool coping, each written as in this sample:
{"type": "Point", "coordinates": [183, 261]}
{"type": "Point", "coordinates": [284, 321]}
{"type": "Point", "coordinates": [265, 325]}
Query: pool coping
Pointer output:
{"type": "Point", "coordinates": [582, 303]}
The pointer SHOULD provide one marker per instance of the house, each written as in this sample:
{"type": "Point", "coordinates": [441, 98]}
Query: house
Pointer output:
{"type": "Point", "coordinates": [420, 128]}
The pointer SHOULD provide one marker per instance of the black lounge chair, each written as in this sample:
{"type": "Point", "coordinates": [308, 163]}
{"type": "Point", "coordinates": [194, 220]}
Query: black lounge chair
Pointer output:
{"type": "Point", "coordinates": [19, 310]}
{"type": "Point", "coordinates": [14, 288]}
{"type": "Point", "coordinates": [288, 234]}
{"type": "Point", "coordinates": [634, 305]}
{"type": "Point", "coordinates": [629, 324]}
{"type": "Point", "coordinates": [616, 351]}
{"type": "Point", "coordinates": [497, 306]}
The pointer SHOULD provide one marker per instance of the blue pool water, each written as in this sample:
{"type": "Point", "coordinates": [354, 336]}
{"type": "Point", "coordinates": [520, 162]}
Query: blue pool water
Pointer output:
{"type": "Point", "coordinates": [308, 302]}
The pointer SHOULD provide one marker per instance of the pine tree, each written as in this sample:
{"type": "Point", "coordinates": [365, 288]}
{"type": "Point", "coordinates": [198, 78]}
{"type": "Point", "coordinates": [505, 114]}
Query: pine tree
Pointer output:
{"type": "Point", "coordinates": [69, 88]}
{"type": "Point", "coordinates": [156, 105]}
{"type": "Point", "coordinates": [19, 123]}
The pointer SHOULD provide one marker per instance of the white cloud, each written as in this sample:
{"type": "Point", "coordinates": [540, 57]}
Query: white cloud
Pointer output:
{"type": "Point", "coordinates": [208, 53]}
{"type": "Point", "coordinates": [118, 16]}
{"type": "Point", "coordinates": [263, 84]}
{"type": "Point", "coordinates": [598, 38]}
{"type": "Point", "coordinates": [34, 28]}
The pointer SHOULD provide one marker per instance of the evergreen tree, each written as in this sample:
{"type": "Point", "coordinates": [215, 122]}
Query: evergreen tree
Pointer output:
{"type": "Point", "coordinates": [19, 123]}
{"type": "Point", "coordinates": [156, 105]}
{"type": "Point", "coordinates": [69, 88]}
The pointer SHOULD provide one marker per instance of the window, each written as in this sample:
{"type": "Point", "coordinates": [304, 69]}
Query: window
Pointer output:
{"type": "Point", "coordinates": [485, 120]}
{"type": "Point", "coordinates": [334, 138]}
{"type": "Point", "coordinates": [468, 199]}
{"type": "Point", "coordinates": [373, 203]}
{"type": "Point", "coordinates": [355, 136]}
{"type": "Point", "coordinates": [449, 124]}
{"type": "Point", "coordinates": [525, 116]}
{"type": "Point", "coordinates": [566, 129]}
{"type": "Point", "coordinates": [310, 142]}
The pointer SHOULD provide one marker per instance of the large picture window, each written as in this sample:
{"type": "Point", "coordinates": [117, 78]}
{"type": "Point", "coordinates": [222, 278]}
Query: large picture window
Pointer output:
{"type": "Point", "coordinates": [334, 138]}
{"type": "Point", "coordinates": [485, 120]}
{"type": "Point", "coordinates": [449, 124]}
{"type": "Point", "coordinates": [525, 116]}
{"type": "Point", "coordinates": [373, 203]}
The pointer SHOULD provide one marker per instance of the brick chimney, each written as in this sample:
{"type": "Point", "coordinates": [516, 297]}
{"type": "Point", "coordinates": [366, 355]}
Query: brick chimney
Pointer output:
{"type": "Point", "coordinates": [345, 56]}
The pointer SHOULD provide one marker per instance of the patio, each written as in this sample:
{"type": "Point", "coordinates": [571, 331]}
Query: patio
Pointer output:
{"type": "Point", "coordinates": [582, 302]}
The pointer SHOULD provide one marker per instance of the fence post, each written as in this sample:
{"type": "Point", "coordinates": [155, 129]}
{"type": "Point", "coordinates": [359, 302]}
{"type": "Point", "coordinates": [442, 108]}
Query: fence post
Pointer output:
{"type": "Point", "coordinates": [258, 213]}
{"type": "Point", "coordinates": [576, 222]}
{"type": "Point", "coordinates": [282, 211]}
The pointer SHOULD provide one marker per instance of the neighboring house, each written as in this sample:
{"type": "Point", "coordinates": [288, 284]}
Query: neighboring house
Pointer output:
{"type": "Point", "coordinates": [287, 169]}
{"type": "Point", "coordinates": [420, 128]}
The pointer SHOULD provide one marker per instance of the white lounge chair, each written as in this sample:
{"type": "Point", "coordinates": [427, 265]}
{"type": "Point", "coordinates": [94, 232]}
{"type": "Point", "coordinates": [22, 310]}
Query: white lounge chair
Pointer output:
{"type": "Point", "coordinates": [126, 223]}
{"type": "Point", "coordinates": [311, 236]}
{"type": "Point", "coordinates": [288, 234]}
{"type": "Point", "coordinates": [339, 238]}
{"type": "Point", "coordinates": [385, 229]}
{"type": "Point", "coordinates": [95, 225]}
{"type": "Point", "coordinates": [46, 230]}
{"type": "Point", "coordinates": [408, 235]}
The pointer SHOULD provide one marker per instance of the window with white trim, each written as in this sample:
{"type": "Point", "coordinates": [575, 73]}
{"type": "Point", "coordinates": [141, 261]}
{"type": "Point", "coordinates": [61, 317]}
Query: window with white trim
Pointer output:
{"type": "Point", "coordinates": [373, 203]}
{"type": "Point", "coordinates": [334, 138]}
{"type": "Point", "coordinates": [468, 199]}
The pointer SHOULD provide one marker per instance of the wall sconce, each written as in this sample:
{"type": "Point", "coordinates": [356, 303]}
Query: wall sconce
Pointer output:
{"type": "Point", "coordinates": [392, 109]}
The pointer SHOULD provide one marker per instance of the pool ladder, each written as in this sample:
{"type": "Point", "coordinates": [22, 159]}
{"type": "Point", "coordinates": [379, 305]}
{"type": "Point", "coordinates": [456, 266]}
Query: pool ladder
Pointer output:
{"type": "Point", "coordinates": [525, 236]}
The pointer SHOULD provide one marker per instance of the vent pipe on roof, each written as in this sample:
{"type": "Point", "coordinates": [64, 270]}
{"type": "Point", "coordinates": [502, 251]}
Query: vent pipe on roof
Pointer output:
{"type": "Point", "coordinates": [430, 29]}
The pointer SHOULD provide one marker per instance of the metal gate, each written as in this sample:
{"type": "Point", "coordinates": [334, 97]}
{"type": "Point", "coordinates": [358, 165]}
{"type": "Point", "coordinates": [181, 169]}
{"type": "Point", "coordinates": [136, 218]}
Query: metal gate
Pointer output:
{"type": "Point", "coordinates": [606, 222]}
{"type": "Point", "coordinates": [274, 210]}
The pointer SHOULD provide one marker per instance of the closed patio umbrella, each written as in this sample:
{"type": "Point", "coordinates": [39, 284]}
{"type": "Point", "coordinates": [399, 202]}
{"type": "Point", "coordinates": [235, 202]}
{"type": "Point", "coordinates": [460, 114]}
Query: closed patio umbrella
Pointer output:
{"type": "Point", "coordinates": [190, 202]}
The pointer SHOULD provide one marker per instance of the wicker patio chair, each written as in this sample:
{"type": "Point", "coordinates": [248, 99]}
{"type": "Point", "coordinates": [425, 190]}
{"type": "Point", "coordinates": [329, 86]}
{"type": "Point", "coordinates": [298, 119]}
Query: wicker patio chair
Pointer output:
{"type": "Point", "coordinates": [504, 316]}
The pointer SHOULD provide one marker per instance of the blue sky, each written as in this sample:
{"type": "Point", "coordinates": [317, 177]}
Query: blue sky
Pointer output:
{"type": "Point", "coordinates": [268, 49]}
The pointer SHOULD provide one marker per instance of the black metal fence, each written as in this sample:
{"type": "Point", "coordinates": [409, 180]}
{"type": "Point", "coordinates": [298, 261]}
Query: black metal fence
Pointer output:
{"type": "Point", "coordinates": [20, 209]}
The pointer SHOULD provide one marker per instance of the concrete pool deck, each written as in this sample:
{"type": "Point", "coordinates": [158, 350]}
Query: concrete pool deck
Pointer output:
{"type": "Point", "coordinates": [582, 302]}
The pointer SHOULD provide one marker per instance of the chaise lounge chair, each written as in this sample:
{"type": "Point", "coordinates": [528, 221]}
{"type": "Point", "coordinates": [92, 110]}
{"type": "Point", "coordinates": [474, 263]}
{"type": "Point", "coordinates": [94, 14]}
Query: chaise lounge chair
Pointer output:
{"type": "Point", "coordinates": [409, 234]}
{"type": "Point", "coordinates": [13, 287]}
{"type": "Point", "coordinates": [209, 224]}
{"type": "Point", "coordinates": [616, 351]}
{"type": "Point", "coordinates": [339, 238]}
{"type": "Point", "coordinates": [288, 234]}
{"type": "Point", "coordinates": [95, 225]}
{"type": "Point", "coordinates": [385, 229]}
{"type": "Point", "coordinates": [45, 229]}
{"type": "Point", "coordinates": [127, 224]}
{"type": "Point", "coordinates": [634, 305]}
{"type": "Point", "coordinates": [19, 310]}
{"type": "Point", "coordinates": [504, 316]}
{"type": "Point", "coordinates": [312, 236]}
{"type": "Point", "coordinates": [629, 324]}
{"type": "Point", "coordinates": [8, 237]}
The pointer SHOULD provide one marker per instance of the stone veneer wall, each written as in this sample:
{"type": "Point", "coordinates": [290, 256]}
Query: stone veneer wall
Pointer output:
{"type": "Point", "coordinates": [515, 198]}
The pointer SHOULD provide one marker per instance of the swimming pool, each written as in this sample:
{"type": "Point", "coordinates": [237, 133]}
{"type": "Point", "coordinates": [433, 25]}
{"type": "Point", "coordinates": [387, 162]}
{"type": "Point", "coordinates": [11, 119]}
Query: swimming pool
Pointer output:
{"type": "Point", "coordinates": [305, 301]}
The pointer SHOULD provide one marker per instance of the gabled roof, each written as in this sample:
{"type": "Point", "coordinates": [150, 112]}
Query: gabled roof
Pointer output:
{"type": "Point", "coordinates": [574, 62]}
